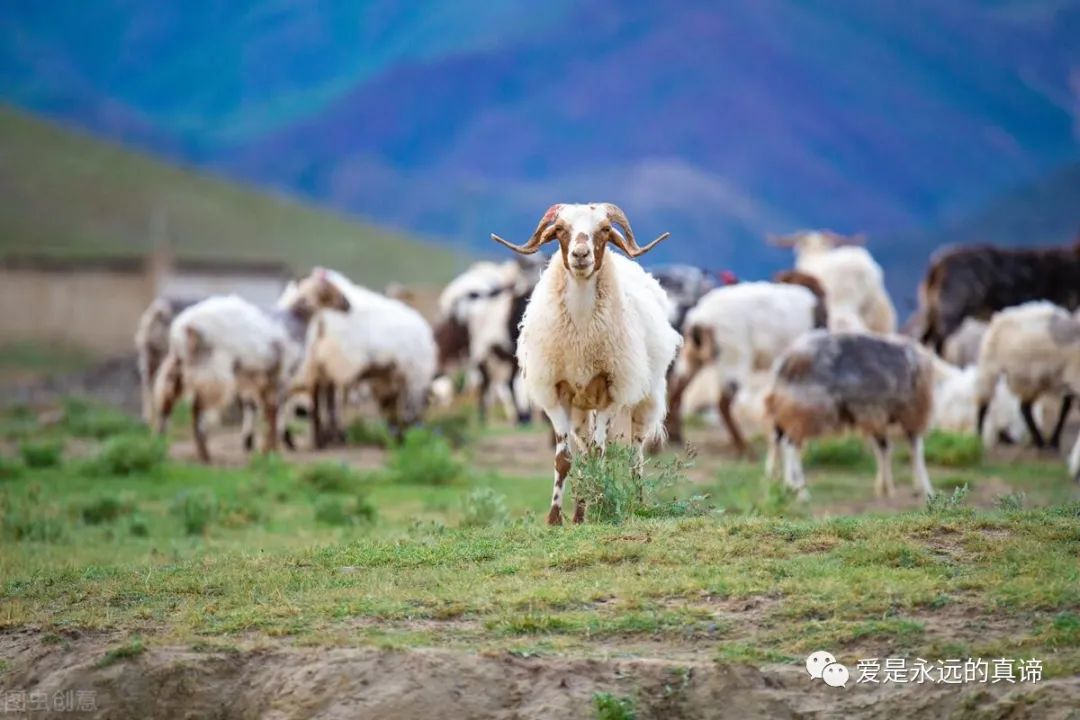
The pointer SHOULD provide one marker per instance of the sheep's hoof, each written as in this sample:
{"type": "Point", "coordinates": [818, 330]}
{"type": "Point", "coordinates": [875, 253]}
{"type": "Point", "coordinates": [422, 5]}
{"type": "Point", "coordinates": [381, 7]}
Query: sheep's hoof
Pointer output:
{"type": "Point", "coordinates": [287, 438]}
{"type": "Point", "coordinates": [579, 513]}
{"type": "Point", "coordinates": [554, 516]}
{"type": "Point", "coordinates": [249, 443]}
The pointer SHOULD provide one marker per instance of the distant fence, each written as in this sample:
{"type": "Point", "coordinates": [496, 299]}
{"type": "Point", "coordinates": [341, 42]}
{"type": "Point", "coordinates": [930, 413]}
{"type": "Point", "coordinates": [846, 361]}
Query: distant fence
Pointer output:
{"type": "Point", "coordinates": [95, 304]}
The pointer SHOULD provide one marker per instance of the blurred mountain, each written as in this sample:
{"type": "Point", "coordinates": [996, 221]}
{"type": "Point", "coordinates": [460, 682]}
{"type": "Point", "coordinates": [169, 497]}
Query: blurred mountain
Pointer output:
{"type": "Point", "coordinates": [717, 122]}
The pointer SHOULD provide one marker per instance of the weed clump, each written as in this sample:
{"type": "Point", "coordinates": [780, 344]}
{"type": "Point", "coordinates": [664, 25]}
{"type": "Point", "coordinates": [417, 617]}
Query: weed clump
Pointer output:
{"type": "Point", "coordinates": [196, 509]}
{"type": "Point", "coordinates": [350, 510]}
{"type": "Point", "coordinates": [39, 454]}
{"type": "Point", "coordinates": [615, 489]}
{"type": "Point", "coordinates": [131, 454]}
{"type": "Point", "coordinates": [836, 452]}
{"type": "Point", "coordinates": [483, 507]}
{"type": "Point", "coordinates": [423, 459]}
{"type": "Point", "coordinates": [330, 476]}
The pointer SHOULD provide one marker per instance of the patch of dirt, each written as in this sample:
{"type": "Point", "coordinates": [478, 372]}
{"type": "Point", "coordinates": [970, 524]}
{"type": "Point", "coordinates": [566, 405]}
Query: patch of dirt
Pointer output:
{"type": "Point", "coordinates": [289, 682]}
{"type": "Point", "coordinates": [112, 382]}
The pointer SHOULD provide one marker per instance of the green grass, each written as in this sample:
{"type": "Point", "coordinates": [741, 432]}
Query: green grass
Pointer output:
{"type": "Point", "coordinates": [68, 194]}
{"type": "Point", "coordinates": [35, 358]}
{"type": "Point", "coordinates": [613, 707]}
{"type": "Point", "coordinates": [41, 453]}
{"type": "Point", "coordinates": [186, 555]}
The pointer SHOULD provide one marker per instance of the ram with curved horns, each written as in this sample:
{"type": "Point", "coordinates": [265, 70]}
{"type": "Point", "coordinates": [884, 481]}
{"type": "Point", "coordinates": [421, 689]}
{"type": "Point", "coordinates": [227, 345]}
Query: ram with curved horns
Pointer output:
{"type": "Point", "coordinates": [595, 338]}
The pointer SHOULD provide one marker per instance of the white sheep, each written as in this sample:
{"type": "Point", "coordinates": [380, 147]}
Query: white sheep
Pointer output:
{"type": "Point", "coordinates": [827, 382]}
{"type": "Point", "coordinates": [1036, 348]}
{"type": "Point", "coordinates": [378, 341]}
{"type": "Point", "coordinates": [595, 338]}
{"type": "Point", "coordinates": [853, 281]}
{"type": "Point", "coordinates": [955, 405]}
{"type": "Point", "coordinates": [740, 329]}
{"type": "Point", "coordinates": [221, 349]}
{"type": "Point", "coordinates": [152, 346]}
{"type": "Point", "coordinates": [962, 347]}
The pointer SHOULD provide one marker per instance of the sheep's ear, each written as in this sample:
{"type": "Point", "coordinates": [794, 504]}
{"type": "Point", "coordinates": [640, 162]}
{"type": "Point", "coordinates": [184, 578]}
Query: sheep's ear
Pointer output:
{"type": "Point", "coordinates": [332, 297]}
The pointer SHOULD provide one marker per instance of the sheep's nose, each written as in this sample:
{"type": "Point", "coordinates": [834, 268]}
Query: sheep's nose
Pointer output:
{"type": "Point", "coordinates": [580, 251]}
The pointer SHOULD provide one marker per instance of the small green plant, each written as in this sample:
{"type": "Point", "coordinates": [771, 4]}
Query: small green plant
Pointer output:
{"type": "Point", "coordinates": [131, 649]}
{"type": "Point", "coordinates": [943, 503]}
{"type": "Point", "coordinates": [131, 454]}
{"type": "Point", "coordinates": [613, 707]}
{"type": "Point", "coordinates": [10, 469]}
{"type": "Point", "coordinates": [197, 509]}
{"type": "Point", "coordinates": [104, 509]}
{"type": "Point", "coordinates": [329, 476]}
{"type": "Point", "coordinates": [1012, 502]}
{"type": "Point", "coordinates": [483, 507]}
{"type": "Point", "coordinates": [353, 509]}
{"type": "Point", "coordinates": [85, 419]}
{"type": "Point", "coordinates": [423, 459]}
{"type": "Point", "coordinates": [362, 433]}
{"type": "Point", "coordinates": [269, 466]}
{"type": "Point", "coordinates": [614, 489]}
{"type": "Point", "coordinates": [953, 449]}
{"type": "Point", "coordinates": [836, 452]}
{"type": "Point", "coordinates": [41, 453]}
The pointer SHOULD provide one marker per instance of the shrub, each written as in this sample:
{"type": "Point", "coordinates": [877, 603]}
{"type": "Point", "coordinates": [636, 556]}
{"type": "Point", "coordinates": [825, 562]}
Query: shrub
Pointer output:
{"type": "Point", "coordinates": [105, 509]}
{"type": "Point", "coordinates": [354, 509]}
{"type": "Point", "coordinates": [953, 449]}
{"type": "Point", "coordinates": [483, 507]}
{"type": "Point", "coordinates": [368, 434]}
{"type": "Point", "coordinates": [196, 510]}
{"type": "Point", "coordinates": [329, 476]}
{"type": "Point", "coordinates": [423, 459]}
{"type": "Point", "coordinates": [1011, 502]}
{"type": "Point", "coordinates": [41, 453]}
{"type": "Point", "coordinates": [613, 707]}
{"type": "Point", "coordinates": [129, 455]}
{"type": "Point", "coordinates": [84, 419]}
{"type": "Point", "coordinates": [837, 452]}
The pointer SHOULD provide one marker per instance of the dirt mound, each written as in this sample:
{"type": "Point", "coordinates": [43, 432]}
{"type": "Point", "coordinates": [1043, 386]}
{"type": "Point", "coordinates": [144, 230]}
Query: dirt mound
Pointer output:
{"type": "Point", "coordinates": [287, 682]}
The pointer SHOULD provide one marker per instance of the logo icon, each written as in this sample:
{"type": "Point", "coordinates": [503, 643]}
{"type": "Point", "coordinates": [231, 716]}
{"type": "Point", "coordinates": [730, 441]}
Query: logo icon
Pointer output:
{"type": "Point", "coordinates": [822, 665]}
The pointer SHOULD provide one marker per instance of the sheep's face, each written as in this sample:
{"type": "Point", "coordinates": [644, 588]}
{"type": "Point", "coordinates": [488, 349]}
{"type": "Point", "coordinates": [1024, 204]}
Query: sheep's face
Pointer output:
{"type": "Point", "coordinates": [317, 292]}
{"type": "Point", "coordinates": [583, 231]}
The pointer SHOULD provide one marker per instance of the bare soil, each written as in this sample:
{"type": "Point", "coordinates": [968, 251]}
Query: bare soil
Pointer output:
{"type": "Point", "coordinates": [289, 682]}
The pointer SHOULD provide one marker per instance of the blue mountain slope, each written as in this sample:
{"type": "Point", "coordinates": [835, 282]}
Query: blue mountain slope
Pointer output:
{"type": "Point", "coordinates": [718, 122]}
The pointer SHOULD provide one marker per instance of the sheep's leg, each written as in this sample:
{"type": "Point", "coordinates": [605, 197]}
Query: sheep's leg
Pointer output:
{"type": "Point", "coordinates": [980, 419]}
{"type": "Point", "coordinates": [168, 385]}
{"type": "Point", "coordinates": [1066, 405]}
{"type": "Point", "coordinates": [726, 400]}
{"type": "Point", "coordinates": [1074, 460]}
{"type": "Point", "coordinates": [560, 423]}
{"type": "Point", "coordinates": [919, 477]}
{"type": "Point", "coordinates": [1032, 426]}
{"type": "Point", "coordinates": [316, 415]}
{"type": "Point", "coordinates": [269, 400]}
{"type": "Point", "coordinates": [673, 422]}
{"type": "Point", "coordinates": [198, 430]}
{"type": "Point", "coordinates": [482, 392]}
{"type": "Point", "coordinates": [333, 415]}
{"type": "Point", "coordinates": [772, 458]}
{"type": "Point", "coordinates": [794, 478]}
{"type": "Point", "coordinates": [883, 481]}
{"type": "Point", "coordinates": [247, 407]}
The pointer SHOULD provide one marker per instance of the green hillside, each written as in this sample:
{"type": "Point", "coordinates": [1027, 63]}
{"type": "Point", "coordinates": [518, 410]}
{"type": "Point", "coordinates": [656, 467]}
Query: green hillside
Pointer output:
{"type": "Point", "coordinates": [67, 194]}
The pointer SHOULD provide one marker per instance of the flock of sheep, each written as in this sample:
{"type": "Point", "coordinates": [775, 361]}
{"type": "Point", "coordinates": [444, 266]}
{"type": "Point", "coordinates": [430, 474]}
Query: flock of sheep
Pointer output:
{"type": "Point", "coordinates": [602, 346]}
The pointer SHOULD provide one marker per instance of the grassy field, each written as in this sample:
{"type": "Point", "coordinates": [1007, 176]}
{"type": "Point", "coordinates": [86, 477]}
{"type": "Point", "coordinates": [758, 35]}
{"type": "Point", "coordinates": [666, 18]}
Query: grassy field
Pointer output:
{"type": "Point", "coordinates": [101, 531]}
{"type": "Point", "coordinates": [68, 194]}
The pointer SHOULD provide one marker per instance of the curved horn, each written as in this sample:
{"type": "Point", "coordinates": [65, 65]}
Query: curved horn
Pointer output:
{"type": "Point", "coordinates": [626, 242]}
{"type": "Point", "coordinates": [540, 235]}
